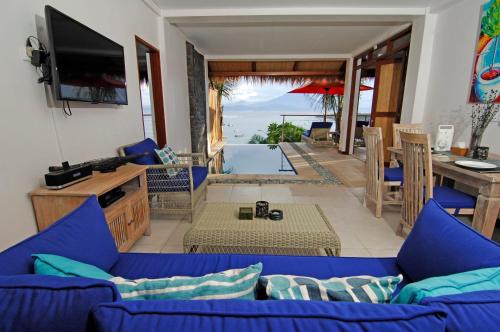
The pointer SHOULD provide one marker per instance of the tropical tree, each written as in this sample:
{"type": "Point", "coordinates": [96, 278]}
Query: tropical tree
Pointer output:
{"type": "Point", "coordinates": [222, 88]}
{"type": "Point", "coordinates": [291, 133]}
{"type": "Point", "coordinates": [257, 139]}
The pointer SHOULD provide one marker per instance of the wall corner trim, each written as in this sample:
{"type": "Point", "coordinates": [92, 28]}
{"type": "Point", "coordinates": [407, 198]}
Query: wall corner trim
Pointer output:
{"type": "Point", "coordinates": [153, 6]}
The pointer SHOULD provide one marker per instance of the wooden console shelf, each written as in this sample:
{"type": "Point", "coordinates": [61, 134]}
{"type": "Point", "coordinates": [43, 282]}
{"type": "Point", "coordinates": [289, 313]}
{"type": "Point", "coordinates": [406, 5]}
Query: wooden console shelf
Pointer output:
{"type": "Point", "coordinates": [127, 218]}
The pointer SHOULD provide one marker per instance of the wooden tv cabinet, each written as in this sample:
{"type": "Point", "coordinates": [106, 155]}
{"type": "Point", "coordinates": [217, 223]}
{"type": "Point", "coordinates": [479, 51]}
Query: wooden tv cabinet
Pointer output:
{"type": "Point", "coordinates": [127, 218]}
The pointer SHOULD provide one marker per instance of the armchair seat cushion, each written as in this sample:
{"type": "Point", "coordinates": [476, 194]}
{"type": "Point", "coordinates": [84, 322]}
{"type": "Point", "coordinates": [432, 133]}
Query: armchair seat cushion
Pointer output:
{"type": "Point", "coordinates": [177, 183]}
{"type": "Point", "coordinates": [393, 174]}
{"type": "Point", "coordinates": [146, 146]}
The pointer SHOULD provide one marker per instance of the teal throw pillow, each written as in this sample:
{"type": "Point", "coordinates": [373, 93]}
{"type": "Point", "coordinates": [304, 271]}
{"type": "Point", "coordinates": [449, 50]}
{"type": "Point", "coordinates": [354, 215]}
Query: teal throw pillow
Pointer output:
{"type": "Point", "coordinates": [168, 157]}
{"type": "Point", "coordinates": [470, 281]}
{"type": "Point", "coordinates": [349, 289]}
{"type": "Point", "coordinates": [64, 267]}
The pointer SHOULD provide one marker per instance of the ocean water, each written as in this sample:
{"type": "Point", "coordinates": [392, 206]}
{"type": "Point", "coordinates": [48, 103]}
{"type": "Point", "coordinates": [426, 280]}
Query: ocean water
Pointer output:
{"type": "Point", "coordinates": [240, 126]}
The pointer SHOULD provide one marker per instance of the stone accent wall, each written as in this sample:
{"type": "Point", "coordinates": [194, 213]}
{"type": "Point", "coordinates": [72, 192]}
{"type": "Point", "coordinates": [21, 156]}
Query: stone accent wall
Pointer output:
{"type": "Point", "coordinates": [197, 99]}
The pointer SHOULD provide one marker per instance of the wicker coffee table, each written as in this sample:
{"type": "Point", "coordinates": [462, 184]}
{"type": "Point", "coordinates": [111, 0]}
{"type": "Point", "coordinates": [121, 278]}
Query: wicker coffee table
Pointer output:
{"type": "Point", "coordinates": [304, 230]}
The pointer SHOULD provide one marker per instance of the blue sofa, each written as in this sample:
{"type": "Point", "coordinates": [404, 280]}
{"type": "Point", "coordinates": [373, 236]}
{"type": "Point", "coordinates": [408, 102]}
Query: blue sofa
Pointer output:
{"type": "Point", "coordinates": [438, 245]}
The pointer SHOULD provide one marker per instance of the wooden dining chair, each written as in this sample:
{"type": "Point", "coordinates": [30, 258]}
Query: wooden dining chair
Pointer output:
{"type": "Point", "coordinates": [419, 183]}
{"type": "Point", "coordinates": [397, 129]}
{"type": "Point", "coordinates": [380, 179]}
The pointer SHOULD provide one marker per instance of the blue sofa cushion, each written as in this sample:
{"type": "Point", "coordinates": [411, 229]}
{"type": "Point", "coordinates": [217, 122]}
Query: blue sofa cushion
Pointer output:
{"type": "Point", "coordinates": [450, 198]}
{"type": "Point", "coordinates": [82, 235]}
{"type": "Point", "coordinates": [393, 174]}
{"type": "Point", "coordinates": [440, 244]}
{"type": "Point", "coordinates": [46, 303]}
{"type": "Point", "coordinates": [474, 311]}
{"type": "Point", "coordinates": [256, 316]}
{"type": "Point", "coordinates": [146, 146]}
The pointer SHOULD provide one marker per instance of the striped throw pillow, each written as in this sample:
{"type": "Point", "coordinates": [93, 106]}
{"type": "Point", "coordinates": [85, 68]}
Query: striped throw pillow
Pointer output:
{"type": "Point", "coordinates": [230, 284]}
{"type": "Point", "coordinates": [168, 157]}
{"type": "Point", "coordinates": [350, 289]}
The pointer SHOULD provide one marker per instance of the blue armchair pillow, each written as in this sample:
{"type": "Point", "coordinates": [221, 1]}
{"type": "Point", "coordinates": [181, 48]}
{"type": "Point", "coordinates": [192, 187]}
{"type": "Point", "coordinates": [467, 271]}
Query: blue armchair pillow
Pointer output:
{"type": "Point", "coordinates": [146, 146]}
{"type": "Point", "coordinates": [82, 235]}
{"type": "Point", "coordinates": [439, 244]}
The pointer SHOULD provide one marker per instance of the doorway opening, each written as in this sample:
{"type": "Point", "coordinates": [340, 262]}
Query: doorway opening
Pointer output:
{"type": "Point", "coordinates": [152, 115]}
{"type": "Point", "coordinates": [382, 67]}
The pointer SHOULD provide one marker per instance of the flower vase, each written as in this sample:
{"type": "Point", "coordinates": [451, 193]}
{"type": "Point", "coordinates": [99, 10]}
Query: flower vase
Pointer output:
{"type": "Point", "coordinates": [475, 142]}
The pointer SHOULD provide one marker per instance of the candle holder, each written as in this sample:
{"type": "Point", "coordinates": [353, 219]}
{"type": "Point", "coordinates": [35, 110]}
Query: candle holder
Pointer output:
{"type": "Point", "coordinates": [261, 209]}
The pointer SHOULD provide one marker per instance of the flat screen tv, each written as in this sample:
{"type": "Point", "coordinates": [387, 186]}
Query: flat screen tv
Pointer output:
{"type": "Point", "coordinates": [86, 66]}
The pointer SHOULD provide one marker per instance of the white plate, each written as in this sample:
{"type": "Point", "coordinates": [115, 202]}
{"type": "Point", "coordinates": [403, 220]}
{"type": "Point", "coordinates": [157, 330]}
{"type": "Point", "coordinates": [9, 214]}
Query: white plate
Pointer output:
{"type": "Point", "coordinates": [475, 164]}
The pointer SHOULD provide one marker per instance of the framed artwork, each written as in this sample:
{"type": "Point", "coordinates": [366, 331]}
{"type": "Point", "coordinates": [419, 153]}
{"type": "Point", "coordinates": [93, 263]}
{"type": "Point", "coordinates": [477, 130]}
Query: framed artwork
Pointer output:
{"type": "Point", "coordinates": [485, 84]}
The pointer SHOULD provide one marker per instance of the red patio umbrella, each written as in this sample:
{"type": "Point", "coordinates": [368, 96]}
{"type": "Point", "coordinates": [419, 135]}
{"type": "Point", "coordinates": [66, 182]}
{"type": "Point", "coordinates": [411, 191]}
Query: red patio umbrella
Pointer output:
{"type": "Point", "coordinates": [326, 87]}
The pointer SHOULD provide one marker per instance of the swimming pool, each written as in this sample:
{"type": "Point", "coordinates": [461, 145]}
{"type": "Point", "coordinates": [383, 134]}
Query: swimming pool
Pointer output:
{"type": "Point", "coordinates": [251, 159]}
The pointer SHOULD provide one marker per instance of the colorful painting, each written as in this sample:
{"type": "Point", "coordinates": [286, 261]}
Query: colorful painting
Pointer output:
{"type": "Point", "coordinates": [486, 80]}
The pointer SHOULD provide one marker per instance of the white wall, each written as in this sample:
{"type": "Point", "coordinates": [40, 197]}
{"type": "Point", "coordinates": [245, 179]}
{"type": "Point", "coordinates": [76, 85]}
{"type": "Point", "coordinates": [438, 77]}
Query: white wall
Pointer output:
{"type": "Point", "coordinates": [176, 89]}
{"type": "Point", "coordinates": [456, 32]}
{"type": "Point", "coordinates": [418, 70]}
{"type": "Point", "coordinates": [30, 128]}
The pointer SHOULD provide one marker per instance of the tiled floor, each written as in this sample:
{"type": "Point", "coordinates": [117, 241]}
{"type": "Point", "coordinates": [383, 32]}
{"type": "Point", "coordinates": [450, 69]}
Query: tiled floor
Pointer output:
{"type": "Point", "coordinates": [360, 232]}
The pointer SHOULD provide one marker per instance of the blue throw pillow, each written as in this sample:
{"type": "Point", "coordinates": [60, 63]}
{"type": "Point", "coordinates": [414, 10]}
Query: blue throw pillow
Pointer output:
{"type": "Point", "coordinates": [146, 146]}
{"type": "Point", "coordinates": [439, 245]}
{"type": "Point", "coordinates": [82, 235]}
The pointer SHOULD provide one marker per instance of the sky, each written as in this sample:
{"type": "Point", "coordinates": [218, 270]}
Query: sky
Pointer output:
{"type": "Point", "coordinates": [249, 92]}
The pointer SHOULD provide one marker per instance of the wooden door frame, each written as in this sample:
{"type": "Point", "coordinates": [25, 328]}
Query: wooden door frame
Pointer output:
{"type": "Point", "coordinates": [370, 62]}
{"type": "Point", "coordinates": [156, 82]}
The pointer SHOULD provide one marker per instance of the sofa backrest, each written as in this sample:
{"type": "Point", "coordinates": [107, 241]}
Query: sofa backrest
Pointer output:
{"type": "Point", "coordinates": [82, 235]}
{"type": "Point", "coordinates": [440, 244]}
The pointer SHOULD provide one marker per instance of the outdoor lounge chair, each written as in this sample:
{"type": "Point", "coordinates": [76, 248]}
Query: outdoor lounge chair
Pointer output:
{"type": "Point", "coordinates": [173, 195]}
{"type": "Point", "coordinates": [319, 132]}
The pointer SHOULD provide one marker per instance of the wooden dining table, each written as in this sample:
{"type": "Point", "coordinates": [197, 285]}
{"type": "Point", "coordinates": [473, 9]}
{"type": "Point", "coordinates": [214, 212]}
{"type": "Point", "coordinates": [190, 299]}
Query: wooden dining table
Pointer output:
{"type": "Point", "coordinates": [487, 184]}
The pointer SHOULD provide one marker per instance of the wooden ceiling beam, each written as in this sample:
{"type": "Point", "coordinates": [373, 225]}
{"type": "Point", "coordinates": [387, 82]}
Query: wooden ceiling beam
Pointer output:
{"type": "Point", "coordinates": [276, 73]}
{"type": "Point", "coordinates": [254, 66]}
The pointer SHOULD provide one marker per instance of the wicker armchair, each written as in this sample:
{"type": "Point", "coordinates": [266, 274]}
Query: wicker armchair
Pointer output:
{"type": "Point", "coordinates": [176, 194]}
